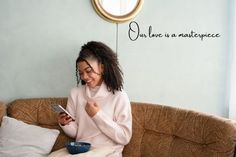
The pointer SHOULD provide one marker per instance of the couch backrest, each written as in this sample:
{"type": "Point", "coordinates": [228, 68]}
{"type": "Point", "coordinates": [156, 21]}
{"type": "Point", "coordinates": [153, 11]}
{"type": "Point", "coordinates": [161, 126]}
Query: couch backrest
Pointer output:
{"type": "Point", "coordinates": [163, 131]}
{"type": "Point", "coordinates": [158, 131]}
{"type": "Point", "coordinates": [2, 111]}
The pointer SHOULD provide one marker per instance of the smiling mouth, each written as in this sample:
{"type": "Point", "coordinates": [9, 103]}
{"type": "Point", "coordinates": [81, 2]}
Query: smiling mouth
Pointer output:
{"type": "Point", "coordinates": [89, 82]}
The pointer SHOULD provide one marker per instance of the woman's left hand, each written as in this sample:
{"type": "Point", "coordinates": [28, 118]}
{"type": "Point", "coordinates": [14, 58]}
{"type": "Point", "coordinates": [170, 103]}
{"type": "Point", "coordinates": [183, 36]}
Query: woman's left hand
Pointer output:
{"type": "Point", "coordinates": [91, 108]}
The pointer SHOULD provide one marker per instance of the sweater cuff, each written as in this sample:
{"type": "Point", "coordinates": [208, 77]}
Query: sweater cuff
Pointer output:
{"type": "Point", "coordinates": [97, 116]}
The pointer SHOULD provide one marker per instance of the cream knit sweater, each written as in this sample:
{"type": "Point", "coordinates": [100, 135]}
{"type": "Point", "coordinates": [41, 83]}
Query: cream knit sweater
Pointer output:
{"type": "Point", "coordinates": [112, 124]}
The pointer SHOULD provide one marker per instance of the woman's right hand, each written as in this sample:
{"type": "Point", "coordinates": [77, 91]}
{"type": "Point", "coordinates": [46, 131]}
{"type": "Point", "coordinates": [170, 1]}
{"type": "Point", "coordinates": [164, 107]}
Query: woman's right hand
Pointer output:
{"type": "Point", "coordinates": [64, 119]}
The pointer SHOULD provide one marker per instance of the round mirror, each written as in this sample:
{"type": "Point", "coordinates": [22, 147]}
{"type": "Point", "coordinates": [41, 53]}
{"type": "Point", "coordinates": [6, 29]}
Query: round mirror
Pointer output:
{"type": "Point", "coordinates": [117, 10]}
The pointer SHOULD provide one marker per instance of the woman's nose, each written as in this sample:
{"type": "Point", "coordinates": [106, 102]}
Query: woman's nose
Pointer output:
{"type": "Point", "coordinates": [85, 76]}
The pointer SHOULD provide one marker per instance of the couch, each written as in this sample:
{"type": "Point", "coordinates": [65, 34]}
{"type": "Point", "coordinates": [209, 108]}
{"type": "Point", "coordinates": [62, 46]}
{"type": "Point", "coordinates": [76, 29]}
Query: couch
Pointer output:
{"type": "Point", "coordinates": [158, 130]}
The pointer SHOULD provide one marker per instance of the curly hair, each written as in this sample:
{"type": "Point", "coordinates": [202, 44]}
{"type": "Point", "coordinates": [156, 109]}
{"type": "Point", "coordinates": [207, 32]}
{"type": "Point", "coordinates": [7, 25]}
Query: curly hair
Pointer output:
{"type": "Point", "coordinates": [112, 74]}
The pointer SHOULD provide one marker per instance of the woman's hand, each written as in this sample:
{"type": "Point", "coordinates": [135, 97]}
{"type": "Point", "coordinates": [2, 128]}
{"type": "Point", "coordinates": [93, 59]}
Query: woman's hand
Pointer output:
{"type": "Point", "coordinates": [64, 119]}
{"type": "Point", "coordinates": [91, 108]}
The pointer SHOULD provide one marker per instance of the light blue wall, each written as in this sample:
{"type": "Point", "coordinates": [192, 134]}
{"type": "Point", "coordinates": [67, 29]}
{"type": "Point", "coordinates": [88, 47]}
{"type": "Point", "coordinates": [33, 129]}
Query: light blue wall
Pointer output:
{"type": "Point", "coordinates": [182, 72]}
{"type": "Point", "coordinates": [40, 39]}
{"type": "Point", "coordinates": [39, 42]}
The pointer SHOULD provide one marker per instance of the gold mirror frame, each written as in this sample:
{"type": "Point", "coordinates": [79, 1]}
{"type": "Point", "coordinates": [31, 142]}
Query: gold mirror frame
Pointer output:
{"type": "Point", "coordinates": [114, 18]}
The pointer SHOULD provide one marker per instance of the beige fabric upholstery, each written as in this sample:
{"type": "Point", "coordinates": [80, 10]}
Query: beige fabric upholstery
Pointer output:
{"type": "Point", "coordinates": [2, 110]}
{"type": "Point", "coordinates": [158, 131]}
{"type": "Point", "coordinates": [162, 131]}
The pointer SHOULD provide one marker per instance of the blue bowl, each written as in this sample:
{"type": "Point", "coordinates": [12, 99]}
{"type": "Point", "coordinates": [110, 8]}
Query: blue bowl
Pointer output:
{"type": "Point", "coordinates": [77, 147]}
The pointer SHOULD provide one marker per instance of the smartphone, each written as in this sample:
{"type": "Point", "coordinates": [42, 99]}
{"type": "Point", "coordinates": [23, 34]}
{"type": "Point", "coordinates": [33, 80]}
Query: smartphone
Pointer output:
{"type": "Point", "coordinates": [58, 108]}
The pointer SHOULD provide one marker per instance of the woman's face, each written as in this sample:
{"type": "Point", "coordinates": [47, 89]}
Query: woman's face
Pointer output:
{"type": "Point", "coordinates": [91, 75]}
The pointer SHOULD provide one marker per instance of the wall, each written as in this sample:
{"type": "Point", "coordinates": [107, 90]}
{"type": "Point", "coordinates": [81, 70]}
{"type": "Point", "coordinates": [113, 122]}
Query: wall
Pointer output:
{"type": "Point", "coordinates": [40, 39]}
{"type": "Point", "coordinates": [183, 72]}
{"type": "Point", "coordinates": [39, 43]}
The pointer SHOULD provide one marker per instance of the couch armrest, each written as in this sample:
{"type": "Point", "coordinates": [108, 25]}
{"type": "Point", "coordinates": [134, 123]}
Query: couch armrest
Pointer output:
{"type": "Point", "coordinates": [2, 111]}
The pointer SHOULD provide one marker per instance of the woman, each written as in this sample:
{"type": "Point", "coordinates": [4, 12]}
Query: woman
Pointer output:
{"type": "Point", "coordinates": [100, 107]}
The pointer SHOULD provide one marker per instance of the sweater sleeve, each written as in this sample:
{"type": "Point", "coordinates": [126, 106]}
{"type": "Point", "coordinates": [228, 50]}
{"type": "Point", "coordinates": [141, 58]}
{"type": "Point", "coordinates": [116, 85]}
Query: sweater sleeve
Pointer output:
{"type": "Point", "coordinates": [119, 129]}
{"type": "Point", "coordinates": [71, 128]}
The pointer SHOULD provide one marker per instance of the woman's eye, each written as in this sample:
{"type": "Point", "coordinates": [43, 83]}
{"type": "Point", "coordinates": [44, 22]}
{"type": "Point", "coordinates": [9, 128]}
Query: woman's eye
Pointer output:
{"type": "Point", "coordinates": [89, 71]}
